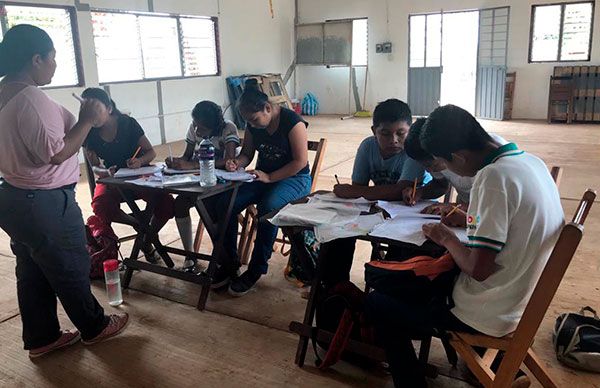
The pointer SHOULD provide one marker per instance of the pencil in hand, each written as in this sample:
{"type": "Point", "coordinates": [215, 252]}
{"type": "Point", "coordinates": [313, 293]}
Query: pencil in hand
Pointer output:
{"type": "Point", "coordinates": [337, 179]}
{"type": "Point", "coordinates": [414, 192]}
{"type": "Point", "coordinates": [454, 209]}
{"type": "Point", "coordinates": [136, 152]}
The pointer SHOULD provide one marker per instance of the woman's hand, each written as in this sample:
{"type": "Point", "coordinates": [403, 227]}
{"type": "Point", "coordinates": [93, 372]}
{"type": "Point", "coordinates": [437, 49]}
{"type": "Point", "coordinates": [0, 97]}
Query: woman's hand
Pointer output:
{"type": "Point", "coordinates": [439, 233]}
{"type": "Point", "coordinates": [134, 163]}
{"type": "Point", "coordinates": [232, 165]}
{"type": "Point", "coordinates": [435, 209]}
{"type": "Point", "coordinates": [91, 112]}
{"type": "Point", "coordinates": [260, 176]}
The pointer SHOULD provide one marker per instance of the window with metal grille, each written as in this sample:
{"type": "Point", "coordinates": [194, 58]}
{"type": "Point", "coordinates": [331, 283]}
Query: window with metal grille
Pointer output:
{"type": "Point", "coordinates": [561, 32]}
{"type": "Point", "coordinates": [60, 23]}
{"type": "Point", "coordinates": [147, 46]}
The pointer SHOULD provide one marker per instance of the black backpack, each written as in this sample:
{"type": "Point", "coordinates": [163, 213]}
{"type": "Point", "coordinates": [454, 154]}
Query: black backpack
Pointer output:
{"type": "Point", "coordinates": [576, 340]}
{"type": "Point", "coordinates": [302, 263]}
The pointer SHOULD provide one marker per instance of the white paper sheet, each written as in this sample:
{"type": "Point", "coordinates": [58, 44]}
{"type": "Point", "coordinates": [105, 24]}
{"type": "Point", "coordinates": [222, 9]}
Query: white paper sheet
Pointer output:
{"type": "Point", "coordinates": [172, 171]}
{"type": "Point", "coordinates": [330, 197]}
{"type": "Point", "coordinates": [363, 207]}
{"type": "Point", "coordinates": [399, 209]}
{"type": "Point", "coordinates": [167, 181]}
{"type": "Point", "coordinates": [359, 226]}
{"type": "Point", "coordinates": [238, 176]}
{"type": "Point", "coordinates": [147, 170]}
{"type": "Point", "coordinates": [410, 230]}
{"type": "Point", "coordinates": [303, 214]}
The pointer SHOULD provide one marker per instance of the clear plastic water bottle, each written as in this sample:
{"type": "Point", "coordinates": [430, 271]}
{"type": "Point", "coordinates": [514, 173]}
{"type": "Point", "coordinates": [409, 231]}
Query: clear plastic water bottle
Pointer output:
{"type": "Point", "coordinates": [113, 282]}
{"type": "Point", "coordinates": [207, 163]}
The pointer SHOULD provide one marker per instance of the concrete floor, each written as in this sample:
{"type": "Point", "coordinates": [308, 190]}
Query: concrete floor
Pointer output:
{"type": "Point", "coordinates": [245, 341]}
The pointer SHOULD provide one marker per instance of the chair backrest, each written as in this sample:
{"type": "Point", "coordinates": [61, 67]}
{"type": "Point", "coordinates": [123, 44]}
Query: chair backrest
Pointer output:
{"type": "Point", "coordinates": [319, 148]}
{"type": "Point", "coordinates": [547, 285]}
{"type": "Point", "coordinates": [91, 177]}
{"type": "Point", "coordinates": [556, 172]}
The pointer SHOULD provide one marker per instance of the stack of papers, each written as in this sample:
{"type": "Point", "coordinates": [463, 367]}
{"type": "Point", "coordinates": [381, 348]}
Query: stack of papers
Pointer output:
{"type": "Point", "coordinates": [396, 209]}
{"type": "Point", "coordinates": [239, 176]}
{"type": "Point", "coordinates": [147, 170]}
{"type": "Point", "coordinates": [167, 181]}
{"type": "Point", "coordinates": [359, 226]}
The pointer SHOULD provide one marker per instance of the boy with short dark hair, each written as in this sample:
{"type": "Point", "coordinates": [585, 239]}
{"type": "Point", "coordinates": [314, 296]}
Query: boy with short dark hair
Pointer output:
{"type": "Point", "coordinates": [381, 158]}
{"type": "Point", "coordinates": [514, 219]}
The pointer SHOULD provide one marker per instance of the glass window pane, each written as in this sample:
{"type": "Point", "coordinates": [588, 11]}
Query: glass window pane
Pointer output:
{"type": "Point", "coordinates": [57, 23]}
{"type": "Point", "coordinates": [359, 42]}
{"type": "Point", "coordinates": [199, 46]}
{"type": "Point", "coordinates": [434, 40]}
{"type": "Point", "coordinates": [160, 46]}
{"type": "Point", "coordinates": [577, 28]}
{"type": "Point", "coordinates": [546, 30]}
{"type": "Point", "coordinates": [118, 47]}
{"type": "Point", "coordinates": [417, 41]}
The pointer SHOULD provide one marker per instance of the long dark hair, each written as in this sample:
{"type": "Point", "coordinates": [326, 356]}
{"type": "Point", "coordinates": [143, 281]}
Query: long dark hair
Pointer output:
{"type": "Point", "coordinates": [102, 96]}
{"type": "Point", "coordinates": [20, 44]}
{"type": "Point", "coordinates": [252, 99]}
{"type": "Point", "coordinates": [209, 115]}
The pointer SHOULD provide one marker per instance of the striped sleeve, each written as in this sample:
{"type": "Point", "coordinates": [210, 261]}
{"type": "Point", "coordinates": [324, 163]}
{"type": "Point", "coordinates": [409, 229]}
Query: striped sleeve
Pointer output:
{"type": "Point", "coordinates": [230, 133]}
{"type": "Point", "coordinates": [190, 137]}
{"type": "Point", "coordinates": [488, 218]}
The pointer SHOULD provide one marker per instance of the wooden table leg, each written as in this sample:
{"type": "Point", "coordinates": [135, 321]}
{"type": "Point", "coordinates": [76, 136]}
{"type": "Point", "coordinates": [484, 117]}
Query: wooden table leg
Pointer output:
{"type": "Point", "coordinates": [311, 305]}
{"type": "Point", "coordinates": [217, 233]}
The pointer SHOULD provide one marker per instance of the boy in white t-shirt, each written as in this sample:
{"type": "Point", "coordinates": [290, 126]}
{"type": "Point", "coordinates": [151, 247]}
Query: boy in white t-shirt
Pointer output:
{"type": "Point", "coordinates": [443, 178]}
{"type": "Point", "coordinates": [514, 219]}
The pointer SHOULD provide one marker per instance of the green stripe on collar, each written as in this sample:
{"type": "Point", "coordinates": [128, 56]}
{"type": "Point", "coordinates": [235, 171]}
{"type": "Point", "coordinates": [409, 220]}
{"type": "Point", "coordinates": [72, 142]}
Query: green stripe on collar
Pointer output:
{"type": "Point", "coordinates": [509, 149]}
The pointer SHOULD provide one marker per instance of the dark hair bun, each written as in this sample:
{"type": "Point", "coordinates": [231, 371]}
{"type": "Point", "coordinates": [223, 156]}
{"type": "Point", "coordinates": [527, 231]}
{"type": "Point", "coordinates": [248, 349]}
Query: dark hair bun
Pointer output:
{"type": "Point", "coordinates": [251, 84]}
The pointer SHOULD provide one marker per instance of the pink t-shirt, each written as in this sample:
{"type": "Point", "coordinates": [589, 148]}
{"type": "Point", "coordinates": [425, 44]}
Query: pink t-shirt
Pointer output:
{"type": "Point", "coordinates": [32, 128]}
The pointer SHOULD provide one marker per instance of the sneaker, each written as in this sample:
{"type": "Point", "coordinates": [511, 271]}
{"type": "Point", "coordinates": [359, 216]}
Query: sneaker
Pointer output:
{"type": "Point", "coordinates": [243, 284]}
{"type": "Point", "coordinates": [66, 338]}
{"type": "Point", "coordinates": [223, 277]}
{"type": "Point", "coordinates": [116, 324]}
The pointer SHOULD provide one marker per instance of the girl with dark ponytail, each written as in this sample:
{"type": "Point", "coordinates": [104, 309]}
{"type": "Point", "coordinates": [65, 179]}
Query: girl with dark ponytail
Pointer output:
{"type": "Point", "coordinates": [207, 122]}
{"type": "Point", "coordinates": [282, 176]}
{"type": "Point", "coordinates": [39, 142]}
{"type": "Point", "coordinates": [110, 146]}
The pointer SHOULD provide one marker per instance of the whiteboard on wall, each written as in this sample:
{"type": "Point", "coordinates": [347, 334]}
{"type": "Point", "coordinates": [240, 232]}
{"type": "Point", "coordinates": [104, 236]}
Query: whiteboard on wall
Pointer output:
{"type": "Point", "coordinates": [328, 43]}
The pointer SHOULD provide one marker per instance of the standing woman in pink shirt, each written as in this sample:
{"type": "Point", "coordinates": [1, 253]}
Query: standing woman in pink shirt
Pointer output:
{"type": "Point", "coordinates": [39, 142]}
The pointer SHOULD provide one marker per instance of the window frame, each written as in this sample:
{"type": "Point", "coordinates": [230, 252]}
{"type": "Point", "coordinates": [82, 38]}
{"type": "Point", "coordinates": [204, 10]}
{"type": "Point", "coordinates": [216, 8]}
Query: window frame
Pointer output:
{"type": "Point", "coordinates": [560, 36]}
{"type": "Point", "coordinates": [74, 32]}
{"type": "Point", "coordinates": [215, 21]}
{"type": "Point", "coordinates": [426, 15]}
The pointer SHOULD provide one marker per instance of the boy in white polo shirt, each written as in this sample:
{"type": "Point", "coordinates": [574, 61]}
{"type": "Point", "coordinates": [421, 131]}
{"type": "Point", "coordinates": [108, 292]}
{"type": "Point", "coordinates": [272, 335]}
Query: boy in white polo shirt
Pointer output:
{"type": "Point", "coordinates": [514, 219]}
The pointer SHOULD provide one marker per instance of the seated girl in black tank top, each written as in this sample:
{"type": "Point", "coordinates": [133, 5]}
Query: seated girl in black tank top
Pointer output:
{"type": "Point", "coordinates": [282, 175]}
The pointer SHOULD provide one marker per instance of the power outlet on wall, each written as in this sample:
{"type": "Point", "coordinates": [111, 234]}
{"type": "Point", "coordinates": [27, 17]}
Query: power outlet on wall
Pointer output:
{"type": "Point", "coordinates": [383, 48]}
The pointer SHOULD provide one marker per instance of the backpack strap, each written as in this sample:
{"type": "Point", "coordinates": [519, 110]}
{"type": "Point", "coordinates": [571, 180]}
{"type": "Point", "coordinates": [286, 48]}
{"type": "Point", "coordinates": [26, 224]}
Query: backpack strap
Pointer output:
{"type": "Point", "coordinates": [340, 340]}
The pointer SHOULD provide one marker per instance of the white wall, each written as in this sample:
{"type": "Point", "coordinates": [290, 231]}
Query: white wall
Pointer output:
{"type": "Point", "coordinates": [388, 73]}
{"type": "Point", "coordinates": [250, 42]}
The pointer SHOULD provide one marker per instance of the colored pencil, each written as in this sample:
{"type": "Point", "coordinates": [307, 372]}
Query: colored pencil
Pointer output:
{"type": "Point", "coordinates": [455, 208]}
{"type": "Point", "coordinates": [414, 192]}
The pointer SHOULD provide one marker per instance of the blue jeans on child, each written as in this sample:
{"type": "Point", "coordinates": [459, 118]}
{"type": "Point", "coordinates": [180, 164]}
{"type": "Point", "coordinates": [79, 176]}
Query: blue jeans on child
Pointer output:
{"type": "Point", "coordinates": [267, 197]}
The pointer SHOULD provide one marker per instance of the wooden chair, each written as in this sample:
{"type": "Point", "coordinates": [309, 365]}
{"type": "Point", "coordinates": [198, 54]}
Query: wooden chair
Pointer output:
{"type": "Point", "coordinates": [517, 345]}
{"type": "Point", "coordinates": [249, 221]}
{"type": "Point", "coordinates": [560, 99]}
{"type": "Point", "coordinates": [91, 178]}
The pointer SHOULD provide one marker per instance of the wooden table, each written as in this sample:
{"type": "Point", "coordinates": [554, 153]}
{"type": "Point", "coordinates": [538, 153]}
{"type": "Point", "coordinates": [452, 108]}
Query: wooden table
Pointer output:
{"type": "Point", "coordinates": [305, 329]}
{"type": "Point", "coordinates": [215, 229]}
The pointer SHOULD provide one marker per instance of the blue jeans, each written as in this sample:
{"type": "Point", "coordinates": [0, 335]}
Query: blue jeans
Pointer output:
{"type": "Point", "coordinates": [267, 197]}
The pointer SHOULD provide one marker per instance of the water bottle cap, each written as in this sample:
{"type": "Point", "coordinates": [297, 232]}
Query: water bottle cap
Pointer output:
{"type": "Point", "coordinates": [111, 265]}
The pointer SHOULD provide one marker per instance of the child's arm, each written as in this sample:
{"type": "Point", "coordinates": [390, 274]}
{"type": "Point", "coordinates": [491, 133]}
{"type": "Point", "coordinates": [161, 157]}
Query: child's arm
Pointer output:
{"type": "Point", "coordinates": [228, 154]}
{"type": "Point", "coordinates": [246, 155]}
{"type": "Point", "coordinates": [147, 154]}
{"type": "Point", "coordinates": [97, 166]}
{"type": "Point", "coordinates": [478, 263]}
{"type": "Point", "coordinates": [432, 190]}
{"type": "Point", "coordinates": [299, 145]}
{"type": "Point", "coordinates": [184, 162]}
{"type": "Point", "coordinates": [373, 193]}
